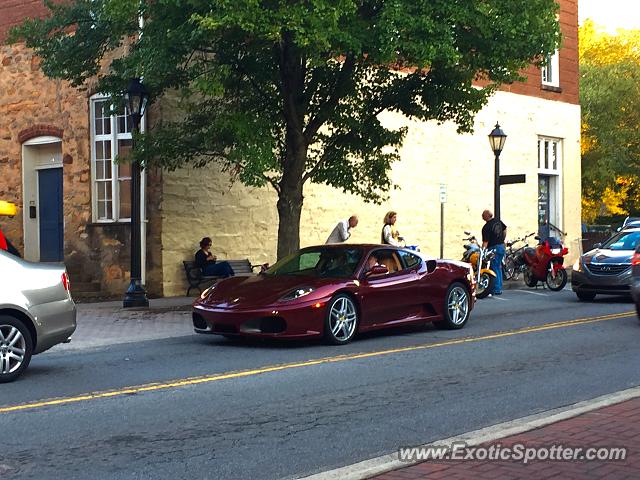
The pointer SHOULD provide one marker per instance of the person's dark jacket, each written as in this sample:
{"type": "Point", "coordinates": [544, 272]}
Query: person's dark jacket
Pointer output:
{"type": "Point", "coordinates": [202, 259]}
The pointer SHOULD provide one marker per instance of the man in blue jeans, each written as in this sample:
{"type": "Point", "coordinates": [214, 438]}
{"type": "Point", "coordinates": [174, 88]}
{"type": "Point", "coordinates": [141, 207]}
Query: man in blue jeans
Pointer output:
{"type": "Point", "coordinates": [493, 234]}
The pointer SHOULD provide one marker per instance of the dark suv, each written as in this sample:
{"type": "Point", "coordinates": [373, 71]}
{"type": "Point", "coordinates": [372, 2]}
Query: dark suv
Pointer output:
{"type": "Point", "coordinates": [607, 268]}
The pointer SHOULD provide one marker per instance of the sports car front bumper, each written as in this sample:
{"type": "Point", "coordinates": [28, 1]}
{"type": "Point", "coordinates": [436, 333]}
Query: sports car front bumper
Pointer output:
{"type": "Point", "coordinates": [274, 321]}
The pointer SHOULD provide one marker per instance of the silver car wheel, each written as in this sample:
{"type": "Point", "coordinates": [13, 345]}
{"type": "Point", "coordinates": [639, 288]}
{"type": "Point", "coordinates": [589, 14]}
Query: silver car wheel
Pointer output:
{"type": "Point", "coordinates": [13, 347]}
{"type": "Point", "coordinates": [343, 319]}
{"type": "Point", "coordinates": [458, 305]}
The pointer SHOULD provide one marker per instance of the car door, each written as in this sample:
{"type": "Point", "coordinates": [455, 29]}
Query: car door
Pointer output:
{"type": "Point", "coordinates": [384, 298]}
{"type": "Point", "coordinates": [417, 292]}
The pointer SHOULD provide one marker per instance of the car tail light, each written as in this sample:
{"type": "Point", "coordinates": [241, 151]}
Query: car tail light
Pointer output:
{"type": "Point", "coordinates": [636, 259]}
{"type": "Point", "coordinates": [65, 282]}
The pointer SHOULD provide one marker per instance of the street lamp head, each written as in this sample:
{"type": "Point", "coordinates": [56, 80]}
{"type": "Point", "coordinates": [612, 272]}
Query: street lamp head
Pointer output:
{"type": "Point", "coordinates": [497, 138]}
{"type": "Point", "coordinates": [137, 96]}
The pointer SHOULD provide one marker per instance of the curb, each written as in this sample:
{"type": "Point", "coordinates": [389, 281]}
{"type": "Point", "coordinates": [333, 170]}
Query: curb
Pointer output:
{"type": "Point", "coordinates": [389, 462]}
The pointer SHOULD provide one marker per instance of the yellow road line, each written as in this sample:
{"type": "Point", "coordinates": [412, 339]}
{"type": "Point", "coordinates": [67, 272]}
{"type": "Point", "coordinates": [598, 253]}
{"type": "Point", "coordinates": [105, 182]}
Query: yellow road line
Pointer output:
{"type": "Point", "coordinates": [307, 363]}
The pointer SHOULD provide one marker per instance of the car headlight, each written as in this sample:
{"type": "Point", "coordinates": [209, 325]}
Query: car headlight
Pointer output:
{"type": "Point", "coordinates": [206, 292]}
{"type": "Point", "coordinates": [297, 293]}
{"type": "Point", "coordinates": [577, 267]}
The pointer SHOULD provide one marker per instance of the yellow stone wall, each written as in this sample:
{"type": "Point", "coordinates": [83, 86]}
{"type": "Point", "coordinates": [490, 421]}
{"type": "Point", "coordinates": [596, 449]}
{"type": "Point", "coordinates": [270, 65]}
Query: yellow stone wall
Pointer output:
{"type": "Point", "coordinates": [243, 221]}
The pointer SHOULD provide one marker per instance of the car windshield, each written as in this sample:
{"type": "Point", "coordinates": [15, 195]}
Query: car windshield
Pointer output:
{"type": "Point", "coordinates": [623, 241]}
{"type": "Point", "coordinates": [321, 262]}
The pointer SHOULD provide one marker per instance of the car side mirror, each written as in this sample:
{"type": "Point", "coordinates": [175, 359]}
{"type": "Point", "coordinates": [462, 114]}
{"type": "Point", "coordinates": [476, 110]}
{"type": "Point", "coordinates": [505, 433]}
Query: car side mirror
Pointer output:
{"type": "Point", "coordinates": [597, 245]}
{"type": "Point", "coordinates": [377, 270]}
{"type": "Point", "coordinates": [431, 266]}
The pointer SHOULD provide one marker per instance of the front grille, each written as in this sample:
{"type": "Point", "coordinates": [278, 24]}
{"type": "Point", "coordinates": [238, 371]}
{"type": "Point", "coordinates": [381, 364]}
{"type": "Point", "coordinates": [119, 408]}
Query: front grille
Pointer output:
{"type": "Point", "coordinates": [224, 328]}
{"type": "Point", "coordinates": [607, 268]}
{"type": "Point", "coordinates": [272, 325]}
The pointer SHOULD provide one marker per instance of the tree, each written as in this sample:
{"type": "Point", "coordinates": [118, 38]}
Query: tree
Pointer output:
{"type": "Point", "coordinates": [283, 92]}
{"type": "Point", "coordinates": [610, 99]}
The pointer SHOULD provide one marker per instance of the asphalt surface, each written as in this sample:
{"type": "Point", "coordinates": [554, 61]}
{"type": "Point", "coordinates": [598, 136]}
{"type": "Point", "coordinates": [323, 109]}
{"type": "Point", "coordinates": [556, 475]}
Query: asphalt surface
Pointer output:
{"type": "Point", "coordinates": [307, 417]}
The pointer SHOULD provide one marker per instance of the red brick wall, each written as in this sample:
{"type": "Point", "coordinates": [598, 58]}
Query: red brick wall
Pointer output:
{"type": "Point", "coordinates": [569, 88]}
{"type": "Point", "coordinates": [13, 11]}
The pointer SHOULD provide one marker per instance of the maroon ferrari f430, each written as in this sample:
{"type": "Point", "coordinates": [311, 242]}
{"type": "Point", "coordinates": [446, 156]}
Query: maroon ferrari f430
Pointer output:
{"type": "Point", "coordinates": [337, 291]}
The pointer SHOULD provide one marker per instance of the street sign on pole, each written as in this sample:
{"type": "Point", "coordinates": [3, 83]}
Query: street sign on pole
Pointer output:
{"type": "Point", "coordinates": [443, 193]}
{"type": "Point", "coordinates": [511, 179]}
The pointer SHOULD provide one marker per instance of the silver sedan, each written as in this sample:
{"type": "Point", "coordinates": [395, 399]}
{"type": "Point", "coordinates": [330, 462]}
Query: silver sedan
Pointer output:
{"type": "Point", "coordinates": [36, 311]}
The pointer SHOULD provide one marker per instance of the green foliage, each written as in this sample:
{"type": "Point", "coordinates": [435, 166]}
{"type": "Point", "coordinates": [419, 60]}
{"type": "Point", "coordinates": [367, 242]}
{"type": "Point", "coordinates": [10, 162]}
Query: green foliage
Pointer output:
{"type": "Point", "coordinates": [610, 99]}
{"type": "Point", "coordinates": [284, 92]}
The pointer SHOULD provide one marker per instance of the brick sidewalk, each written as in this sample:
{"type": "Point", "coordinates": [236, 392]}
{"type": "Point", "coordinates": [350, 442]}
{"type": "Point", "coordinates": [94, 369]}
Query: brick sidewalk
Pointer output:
{"type": "Point", "coordinates": [107, 323]}
{"type": "Point", "coordinates": [613, 426]}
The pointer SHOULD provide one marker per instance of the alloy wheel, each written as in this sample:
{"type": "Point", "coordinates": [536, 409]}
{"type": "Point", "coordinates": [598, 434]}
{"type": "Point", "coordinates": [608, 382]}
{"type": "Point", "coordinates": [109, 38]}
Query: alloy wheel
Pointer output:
{"type": "Point", "coordinates": [343, 319]}
{"type": "Point", "coordinates": [13, 347]}
{"type": "Point", "coordinates": [458, 305]}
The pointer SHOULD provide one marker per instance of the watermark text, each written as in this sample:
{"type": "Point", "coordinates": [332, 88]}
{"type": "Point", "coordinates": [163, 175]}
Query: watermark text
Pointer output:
{"type": "Point", "coordinates": [517, 452]}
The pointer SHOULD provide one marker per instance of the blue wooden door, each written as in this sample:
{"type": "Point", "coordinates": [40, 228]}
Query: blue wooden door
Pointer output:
{"type": "Point", "coordinates": [51, 222]}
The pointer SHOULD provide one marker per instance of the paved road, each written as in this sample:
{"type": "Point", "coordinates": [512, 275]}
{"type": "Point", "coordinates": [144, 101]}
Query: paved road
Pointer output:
{"type": "Point", "coordinates": [406, 387]}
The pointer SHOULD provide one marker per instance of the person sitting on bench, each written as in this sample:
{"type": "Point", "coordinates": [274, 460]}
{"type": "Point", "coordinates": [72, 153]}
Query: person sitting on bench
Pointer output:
{"type": "Point", "coordinates": [208, 263]}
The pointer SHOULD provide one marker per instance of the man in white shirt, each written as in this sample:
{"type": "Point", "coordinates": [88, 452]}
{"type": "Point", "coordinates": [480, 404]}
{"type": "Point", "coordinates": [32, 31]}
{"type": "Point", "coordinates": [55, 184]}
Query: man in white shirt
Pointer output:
{"type": "Point", "coordinates": [342, 231]}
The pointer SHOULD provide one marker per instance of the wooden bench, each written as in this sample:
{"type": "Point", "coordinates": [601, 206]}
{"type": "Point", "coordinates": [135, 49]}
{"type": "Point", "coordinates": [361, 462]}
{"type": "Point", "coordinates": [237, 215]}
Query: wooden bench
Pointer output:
{"type": "Point", "coordinates": [195, 278]}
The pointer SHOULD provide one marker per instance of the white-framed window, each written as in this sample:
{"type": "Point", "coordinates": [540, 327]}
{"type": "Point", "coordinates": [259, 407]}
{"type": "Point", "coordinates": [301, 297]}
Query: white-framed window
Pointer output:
{"type": "Point", "coordinates": [549, 155]}
{"type": "Point", "coordinates": [111, 182]}
{"type": "Point", "coordinates": [549, 186]}
{"type": "Point", "coordinates": [551, 70]}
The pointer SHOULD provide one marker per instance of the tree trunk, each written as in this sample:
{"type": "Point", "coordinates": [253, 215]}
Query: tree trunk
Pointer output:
{"type": "Point", "coordinates": [292, 73]}
{"type": "Point", "coordinates": [290, 200]}
{"type": "Point", "coordinates": [289, 210]}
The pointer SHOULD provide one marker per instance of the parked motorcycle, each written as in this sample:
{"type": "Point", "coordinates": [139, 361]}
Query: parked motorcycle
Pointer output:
{"type": "Point", "coordinates": [479, 259]}
{"type": "Point", "coordinates": [545, 263]}
{"type": "Point", "coordinates": [513, 263]}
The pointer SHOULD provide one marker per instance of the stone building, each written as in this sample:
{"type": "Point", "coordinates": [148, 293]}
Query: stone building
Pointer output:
{"type": "Point", "coordinates": [56, 149]}
{"type": "Point", "coordinates": [55, 135]}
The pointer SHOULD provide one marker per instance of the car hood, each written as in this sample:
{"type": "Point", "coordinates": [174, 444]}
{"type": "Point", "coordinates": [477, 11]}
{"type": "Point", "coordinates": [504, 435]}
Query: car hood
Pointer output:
{"type": "Point", "coordinates": [604, 255]}
{"type": "Point", "coordinates": [260, 290]}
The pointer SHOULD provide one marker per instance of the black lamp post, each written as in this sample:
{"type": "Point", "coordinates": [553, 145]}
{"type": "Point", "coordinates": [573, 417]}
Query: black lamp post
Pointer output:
{"type": "Point", "coordinates": [497, 138]}
{"type": "Point", "coordinates": [136, 296]}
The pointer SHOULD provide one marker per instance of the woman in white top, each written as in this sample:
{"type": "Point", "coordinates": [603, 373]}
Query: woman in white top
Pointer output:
{"type": "Point", "coordinates": [390, 235]}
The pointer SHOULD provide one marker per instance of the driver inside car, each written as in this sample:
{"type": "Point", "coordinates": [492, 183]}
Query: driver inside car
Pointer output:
{"type": "Point", "coordinates": [372, 261]}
